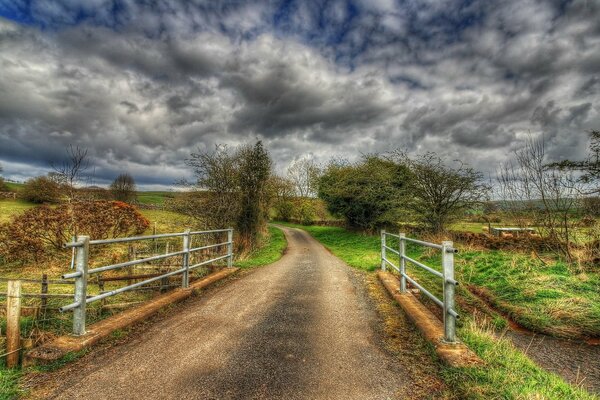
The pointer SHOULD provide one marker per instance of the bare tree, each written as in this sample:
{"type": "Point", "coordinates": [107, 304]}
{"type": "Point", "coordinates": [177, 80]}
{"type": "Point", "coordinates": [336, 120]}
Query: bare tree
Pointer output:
{"type": "Point", "coordinates": [304, 173]}
{"type": "Point", "coordinates": [537, 194]}
{"type": "Point", "coordinates": [589, 168]}
{"type": "Point", "coordinates": [439, 192]}
{"type": "Point", "coordinates": [71, 170]}
{"type": "Point", "coordinates": [123, 188]}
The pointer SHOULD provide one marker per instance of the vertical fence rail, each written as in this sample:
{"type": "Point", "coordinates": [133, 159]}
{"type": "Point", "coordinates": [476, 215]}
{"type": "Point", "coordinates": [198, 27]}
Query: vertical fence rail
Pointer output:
{"type": "Point", "coordinates": [81, 267]}
{"type": "Point", "coordinates": [383, 246]}
{"type": "Point", "coordinates": [13, 328]}
{"type": "Point", "coordinates": [448, 268]}
{"type": "Point", "coordinates": [448, 285]}
{"type": "Point", "coordinates": [402, 262]}
{"type": "Point", "coordinates": [230, 247]}
{"type": "Point", "coordinates": [185, 278]}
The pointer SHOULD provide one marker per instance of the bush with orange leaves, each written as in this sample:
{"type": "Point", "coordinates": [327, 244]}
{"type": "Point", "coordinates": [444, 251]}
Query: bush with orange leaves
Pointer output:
{"type": "Point", "coordinates": [37, 233]}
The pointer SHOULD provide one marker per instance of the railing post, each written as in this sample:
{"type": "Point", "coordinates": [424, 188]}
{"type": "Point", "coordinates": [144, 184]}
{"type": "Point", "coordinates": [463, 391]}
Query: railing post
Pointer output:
{"type": "Point", "coordinates": [448, 268]}
{"type": "Point", "coordinates": [402, 251]}
{"type": "Point", "coordinates": [185, 280]}
{"type": "Point", "coordinates": [81, 266]}
{"type": "Point", "coordinates": [230, 247]}
{"type": "Point", "coordinates": [383, 257]}
{"type": "Point", "coordinates": [13, 328]}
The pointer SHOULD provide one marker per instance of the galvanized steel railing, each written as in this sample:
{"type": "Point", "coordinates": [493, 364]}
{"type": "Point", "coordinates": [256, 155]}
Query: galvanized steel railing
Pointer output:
{"type": "Point", "coordinates": [447, 276]}
{"type": "Point", "coordinates": [81, 274]}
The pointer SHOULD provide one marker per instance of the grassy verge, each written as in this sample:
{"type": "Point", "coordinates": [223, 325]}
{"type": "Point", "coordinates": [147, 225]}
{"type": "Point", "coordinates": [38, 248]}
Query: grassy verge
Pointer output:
{"type": "Point", "coordinates": [356, 249]}
{"type": "Point", "coordinates": [9, 381]}
{"type": "Point", "coordinates": [508, 374]}
{"type": "Point", "coordinates": [270, 251]}
{"type": "Point", "coordinates": [545, 297]}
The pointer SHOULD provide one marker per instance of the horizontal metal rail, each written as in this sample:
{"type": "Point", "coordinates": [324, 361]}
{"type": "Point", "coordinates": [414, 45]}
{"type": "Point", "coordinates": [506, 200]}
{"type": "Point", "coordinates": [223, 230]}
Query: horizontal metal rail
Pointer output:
{"type": "Point", "coordinates": [391, 264]}
{"type": "Point", "coordinates": [391, 234]}
{"type": "Point", "coordinates": [429, 269]}
{"type": "Point", "coordinates": [120, 290]}
{"type": "Point", "coordinates": [425, 267]}
{"type": "Point", "coordinates": [431, 296]}
{"type": "Point", "coordinates": [83, 271]}
{"type": "Point", "coordinates": [392, 250]}
{"type": "Point", "coordinates": [209, 261]}
{"type": "Point", "coordinates": [422, 243]}
{"type": "Point", "coordinates": [209, 246]}
{"type": "Point", "coordinates": [135, 238]}
{"type": "Point", "coordinates": [207, 232]}
{"type": "Point", "coordinates": [124, 264]}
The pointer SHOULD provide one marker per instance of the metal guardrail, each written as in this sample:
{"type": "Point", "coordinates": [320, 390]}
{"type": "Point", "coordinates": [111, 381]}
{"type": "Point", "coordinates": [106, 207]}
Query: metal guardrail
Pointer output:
{"type": "Point", "coordinates": [447, 276]}
{"type": "Point", "coordinates": [82, 272]}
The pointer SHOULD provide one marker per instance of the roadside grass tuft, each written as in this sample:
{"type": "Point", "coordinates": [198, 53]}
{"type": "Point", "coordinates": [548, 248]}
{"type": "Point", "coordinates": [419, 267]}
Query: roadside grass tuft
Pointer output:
{"type": "Point", "coordinates": [9, 382]}
{"type": "Point", "coordinates": [270, 250]}
{"type": "Point", "coordinates": [358, 250]}
{"type": "Point", "coordinates": [508, 373]}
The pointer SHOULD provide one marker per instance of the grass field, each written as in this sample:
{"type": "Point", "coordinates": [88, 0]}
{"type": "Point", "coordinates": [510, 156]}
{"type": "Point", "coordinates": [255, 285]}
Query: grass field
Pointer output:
{"type": "Point", "coordinates": [14, 187]}
{"type": "Point", "coordinates": [508, 373]}
{"type": "Point", "coordinates": [10, 208]}
{"type": "Point", "coordinates": [154, 198]}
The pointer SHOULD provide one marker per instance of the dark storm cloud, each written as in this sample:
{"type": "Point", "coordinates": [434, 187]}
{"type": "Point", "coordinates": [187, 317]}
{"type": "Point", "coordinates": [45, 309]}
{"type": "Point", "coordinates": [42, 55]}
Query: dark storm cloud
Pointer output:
{"type": "Point", "coordinates": [144, 84]}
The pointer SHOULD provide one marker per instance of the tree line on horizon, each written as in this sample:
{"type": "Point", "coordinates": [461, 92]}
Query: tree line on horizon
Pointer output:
{"type": "Point", "coordinates": [237, 187]}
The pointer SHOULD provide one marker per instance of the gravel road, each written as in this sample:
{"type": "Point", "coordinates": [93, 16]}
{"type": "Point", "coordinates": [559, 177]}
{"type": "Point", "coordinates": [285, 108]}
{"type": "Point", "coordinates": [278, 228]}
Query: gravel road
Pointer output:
{"type": "Point", "coordinates": [301, 328]}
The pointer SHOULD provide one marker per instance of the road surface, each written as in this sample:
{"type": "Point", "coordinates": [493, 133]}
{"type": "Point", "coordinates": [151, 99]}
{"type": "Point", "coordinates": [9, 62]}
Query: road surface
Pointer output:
{"type": "Point", "coordinates": [301, 328]}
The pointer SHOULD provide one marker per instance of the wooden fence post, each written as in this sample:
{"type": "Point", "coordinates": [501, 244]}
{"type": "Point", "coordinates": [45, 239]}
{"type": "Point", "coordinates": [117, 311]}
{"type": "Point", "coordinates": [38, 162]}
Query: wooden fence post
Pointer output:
{"type": "Point", "coordinates": [44, 292]}
{"type": "Point", "coordinates": [13, 329]}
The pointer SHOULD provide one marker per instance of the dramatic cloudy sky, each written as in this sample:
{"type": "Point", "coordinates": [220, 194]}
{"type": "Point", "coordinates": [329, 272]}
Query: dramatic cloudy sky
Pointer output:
{"type": "Point", "coordinates": [142, 84]}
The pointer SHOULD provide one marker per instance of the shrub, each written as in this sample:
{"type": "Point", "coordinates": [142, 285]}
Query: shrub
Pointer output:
{"type": "Point", "coordinates": [306, 212]}
{"type": "Point", "coordinates": [41, 190]}
{"type": "Point", "coordinates": [3, 185]}
{"type": "Point", "coordinates": [35, 233]}
{"type": "Point", "coordinates": [123, 188]}
{"type": "Point", "coordinates": [368, 194]}
{"type": "Point", "coordinates": [591, 206]}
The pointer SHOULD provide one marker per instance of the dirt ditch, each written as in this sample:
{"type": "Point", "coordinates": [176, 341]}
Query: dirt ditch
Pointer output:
{"type": "Point", "coordinates": [576, 361]}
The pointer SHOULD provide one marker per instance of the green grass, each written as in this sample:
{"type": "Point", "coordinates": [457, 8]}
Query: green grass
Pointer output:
{"type": "Point", "coordinates": [271, 250]}
{"type": "Point", "coordinates": [473, 227]}
{"type": "Point", "coordinates": [508, 374]}
{"type": "Point", "coordinates": [9, 208]}
{"type": "Point", "coordinates": [14, 187]}
{"type": "Point", "coordinates": [154, 198]}
{"type": "Point", "coordinates": [9, 383]}
{"type": "Point", "coordinates": [166, 221]}
{"type": "Point", "coordinates": [547, 298]}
